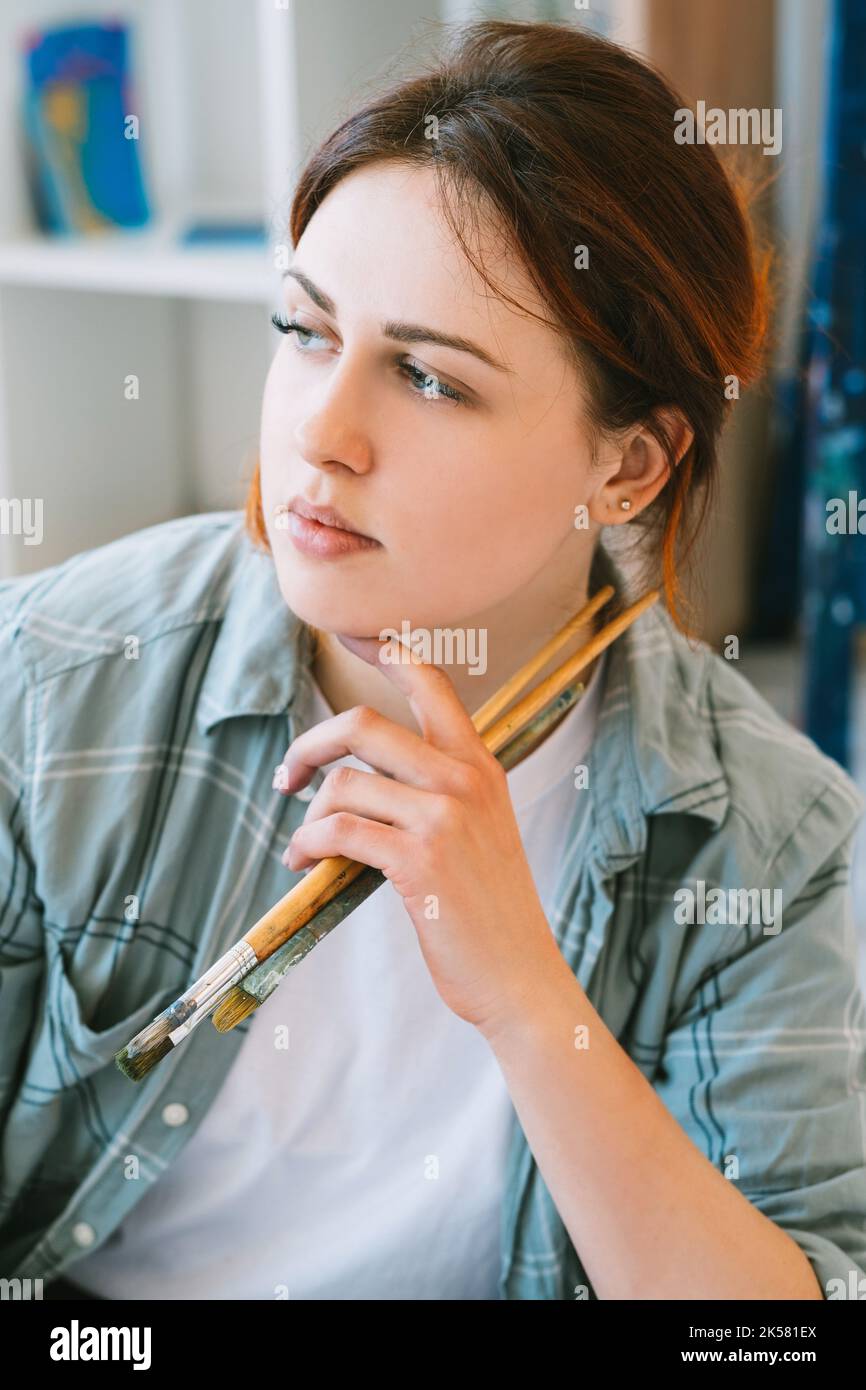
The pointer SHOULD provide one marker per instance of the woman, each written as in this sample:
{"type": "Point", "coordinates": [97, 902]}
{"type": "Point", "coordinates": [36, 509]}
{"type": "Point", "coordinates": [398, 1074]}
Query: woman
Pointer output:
{"type": "Point", "coordinates": [600, 1035]}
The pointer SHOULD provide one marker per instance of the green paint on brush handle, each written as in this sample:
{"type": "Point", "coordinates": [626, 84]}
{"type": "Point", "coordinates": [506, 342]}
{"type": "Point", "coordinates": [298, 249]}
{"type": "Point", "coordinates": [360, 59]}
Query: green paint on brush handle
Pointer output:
{"type": "Point", "coordinates": [523, 743]}
{"type": "Point", "coordinates": [263, 980]}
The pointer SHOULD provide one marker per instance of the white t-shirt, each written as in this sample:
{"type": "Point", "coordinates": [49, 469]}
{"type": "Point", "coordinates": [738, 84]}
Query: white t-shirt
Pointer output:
{"type": "Point", "coordinates": [366, 1160]}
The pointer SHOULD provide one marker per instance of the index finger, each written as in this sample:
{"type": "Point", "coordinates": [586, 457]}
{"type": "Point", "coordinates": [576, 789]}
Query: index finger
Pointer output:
{"type": "Point", "coordinates": [434, 702]}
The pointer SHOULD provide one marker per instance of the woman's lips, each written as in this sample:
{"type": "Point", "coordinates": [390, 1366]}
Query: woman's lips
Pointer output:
{"type": "Point", "coordinates": [325, 542]}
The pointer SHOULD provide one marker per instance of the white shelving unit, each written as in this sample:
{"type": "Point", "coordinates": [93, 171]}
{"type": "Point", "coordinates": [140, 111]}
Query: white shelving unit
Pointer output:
{"type": "Point", "coordinates": [230, 95]}
{"type": "Point", "coordinates": [138, 262]}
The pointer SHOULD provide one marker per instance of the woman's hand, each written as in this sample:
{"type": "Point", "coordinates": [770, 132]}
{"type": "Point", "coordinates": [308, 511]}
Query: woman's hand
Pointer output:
{"type": "Point", "coordinates": [441, 828]}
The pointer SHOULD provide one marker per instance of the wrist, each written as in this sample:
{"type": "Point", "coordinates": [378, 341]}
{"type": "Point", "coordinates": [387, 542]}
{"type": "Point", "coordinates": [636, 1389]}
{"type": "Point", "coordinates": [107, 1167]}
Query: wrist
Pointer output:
{"type": "Point", "coordinates": [537, 1003]}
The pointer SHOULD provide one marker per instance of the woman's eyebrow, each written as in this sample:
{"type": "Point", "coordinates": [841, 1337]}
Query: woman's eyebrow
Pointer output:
{"type": "Point", "coordinates": [401, 332]}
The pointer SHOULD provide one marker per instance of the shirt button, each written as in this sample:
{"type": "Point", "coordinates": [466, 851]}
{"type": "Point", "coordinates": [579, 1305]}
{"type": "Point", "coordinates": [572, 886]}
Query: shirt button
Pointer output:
{"type": "Point", "coordinates": [83, 1234]}
{"type": "Point", "coordinates": [175, 1114]}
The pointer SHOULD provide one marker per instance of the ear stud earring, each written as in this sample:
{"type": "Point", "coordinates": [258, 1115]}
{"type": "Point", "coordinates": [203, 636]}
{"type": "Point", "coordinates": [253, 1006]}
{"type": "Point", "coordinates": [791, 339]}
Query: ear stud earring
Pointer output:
{"type": "Point", "coordinates": [625, 504]}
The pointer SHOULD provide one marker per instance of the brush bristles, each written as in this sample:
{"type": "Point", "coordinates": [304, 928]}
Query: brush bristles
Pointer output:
{"type": "Point", "coordinates": [236, 1006]}
{"type": "Point", "coordinates": [141, 1063]}
{"type": "Point", "coordinates": [150, 1036]}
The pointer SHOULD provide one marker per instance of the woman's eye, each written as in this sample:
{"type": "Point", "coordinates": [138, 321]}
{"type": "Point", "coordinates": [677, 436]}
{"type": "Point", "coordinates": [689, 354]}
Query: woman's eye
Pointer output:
{"type": "Point", "coordinates": [431, 388]}
{"type": "Point", "coordinates": [424, 383]}
{"type": "Point", "coordinates": [302, 334]}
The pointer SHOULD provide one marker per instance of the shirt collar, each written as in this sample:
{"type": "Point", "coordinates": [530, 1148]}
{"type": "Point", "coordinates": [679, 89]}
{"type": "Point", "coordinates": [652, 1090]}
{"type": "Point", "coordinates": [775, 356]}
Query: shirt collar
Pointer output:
{"type": "Point", "coordinates": [652, 751]}
{"type": "Point", "coordinates": [261, 644]}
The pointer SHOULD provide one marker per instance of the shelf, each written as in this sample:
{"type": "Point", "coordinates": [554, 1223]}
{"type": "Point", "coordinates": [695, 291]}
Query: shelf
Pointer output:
{"type": "Point", "coordinates": [140, 262]}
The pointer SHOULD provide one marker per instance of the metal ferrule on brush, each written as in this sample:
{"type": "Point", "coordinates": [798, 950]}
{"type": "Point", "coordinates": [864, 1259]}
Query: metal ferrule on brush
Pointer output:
{"type": "Point", "coordinates": [207, 991]}
{"type": "Point", "coordinates": [189, 1010]}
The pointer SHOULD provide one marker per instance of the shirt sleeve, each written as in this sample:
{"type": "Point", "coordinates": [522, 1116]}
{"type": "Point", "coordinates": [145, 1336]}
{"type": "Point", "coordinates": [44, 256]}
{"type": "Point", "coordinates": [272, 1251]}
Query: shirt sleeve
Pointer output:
{"type": "Point", "coordinates": [765, 1066]}
{"type": "Point", "coordinates": [21, 927]}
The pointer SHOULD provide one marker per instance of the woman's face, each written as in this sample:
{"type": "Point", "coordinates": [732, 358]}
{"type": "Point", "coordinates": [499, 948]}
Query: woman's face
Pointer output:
{"type": "Point", "coordinates": [470, 499]}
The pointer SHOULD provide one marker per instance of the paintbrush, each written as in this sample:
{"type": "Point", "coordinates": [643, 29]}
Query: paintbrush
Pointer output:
{"type": "Point", "coordinates": [333, 875]}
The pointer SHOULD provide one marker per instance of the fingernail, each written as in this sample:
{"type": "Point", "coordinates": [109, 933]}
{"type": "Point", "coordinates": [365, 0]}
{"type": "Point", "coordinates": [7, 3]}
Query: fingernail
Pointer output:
{"type": "Point", "coordinates": [282, 777]}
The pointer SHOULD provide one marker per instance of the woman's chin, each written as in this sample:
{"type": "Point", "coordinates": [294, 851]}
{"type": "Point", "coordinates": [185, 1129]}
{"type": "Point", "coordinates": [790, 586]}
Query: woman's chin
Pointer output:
{"type": "Point", "coordinates": [340, 607]}
{"type": "Point", "coordinates": [327, 617]}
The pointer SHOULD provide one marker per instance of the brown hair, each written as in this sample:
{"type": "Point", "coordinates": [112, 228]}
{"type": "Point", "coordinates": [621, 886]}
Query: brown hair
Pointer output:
{"type": "Point", "coordinates": [569, 138]}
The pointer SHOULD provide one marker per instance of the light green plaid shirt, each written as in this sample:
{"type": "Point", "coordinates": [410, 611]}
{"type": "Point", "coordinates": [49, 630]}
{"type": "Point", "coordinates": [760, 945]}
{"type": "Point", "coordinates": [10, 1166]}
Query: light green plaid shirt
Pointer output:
{"type": "Point", "coordinates": [150, 687]}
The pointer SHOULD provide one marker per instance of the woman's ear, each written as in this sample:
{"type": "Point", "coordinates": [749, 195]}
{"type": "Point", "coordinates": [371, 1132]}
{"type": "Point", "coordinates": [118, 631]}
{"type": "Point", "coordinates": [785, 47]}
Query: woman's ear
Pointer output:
{"type": "Point", "coordinates": [642, 469]}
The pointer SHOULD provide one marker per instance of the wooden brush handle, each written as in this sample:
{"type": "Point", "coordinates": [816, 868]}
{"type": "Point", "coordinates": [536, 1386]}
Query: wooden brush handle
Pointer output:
{"type": "Point", "coordinates": [294, 910]}
{"type": "Point", "coordinates": [504, 729]}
